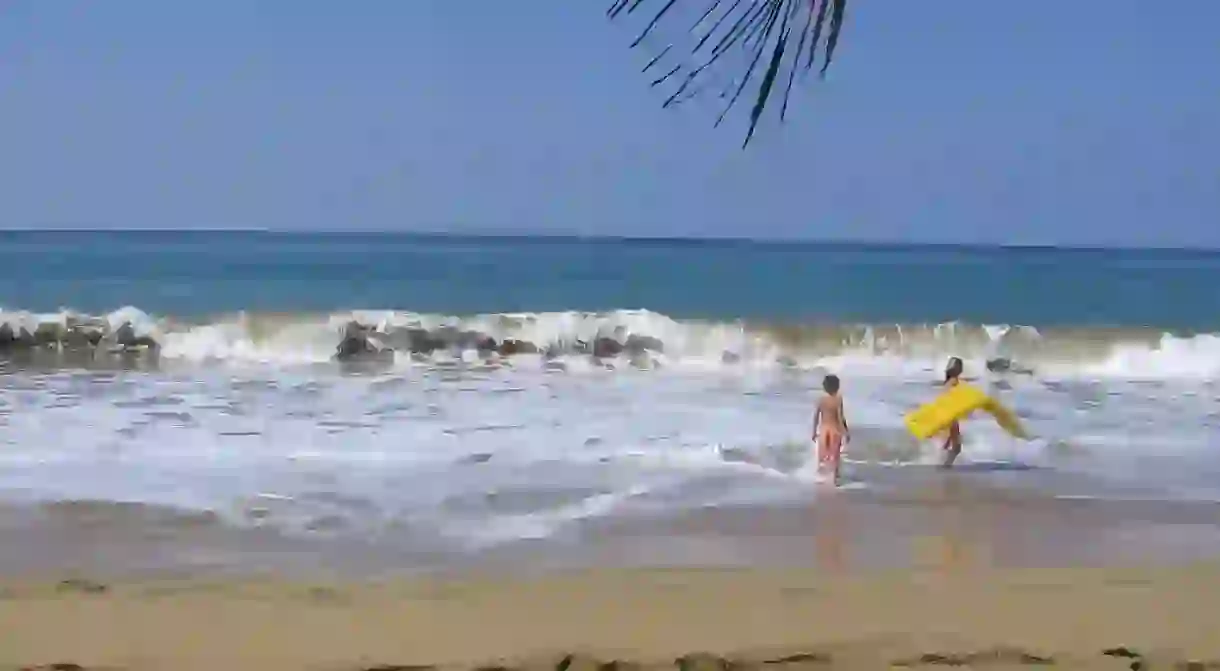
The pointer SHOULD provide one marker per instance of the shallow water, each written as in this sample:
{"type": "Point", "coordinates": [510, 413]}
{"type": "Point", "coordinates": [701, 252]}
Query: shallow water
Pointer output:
{"type": "Point", "coordinates": [477, 458]}
{"type": "Point", "coordinates": [244, 414]}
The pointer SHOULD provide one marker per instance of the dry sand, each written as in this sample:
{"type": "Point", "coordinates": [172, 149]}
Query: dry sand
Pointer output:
{"type": "Point", "coordinates": [702, 620]}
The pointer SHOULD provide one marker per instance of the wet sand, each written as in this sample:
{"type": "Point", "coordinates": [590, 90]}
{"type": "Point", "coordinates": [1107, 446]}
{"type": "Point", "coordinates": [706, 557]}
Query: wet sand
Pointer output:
{"type": "Point", "coordinates": [953, 522]}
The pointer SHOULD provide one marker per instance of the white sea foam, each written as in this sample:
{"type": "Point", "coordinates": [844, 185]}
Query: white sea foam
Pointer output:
{"type": "Point", "coordinates": [287, 339]}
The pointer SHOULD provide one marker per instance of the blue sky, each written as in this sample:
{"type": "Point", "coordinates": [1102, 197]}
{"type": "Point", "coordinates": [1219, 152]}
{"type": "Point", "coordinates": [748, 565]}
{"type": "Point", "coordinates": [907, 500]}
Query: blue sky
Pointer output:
{"type": "Point", "coordinates": [947, 121]}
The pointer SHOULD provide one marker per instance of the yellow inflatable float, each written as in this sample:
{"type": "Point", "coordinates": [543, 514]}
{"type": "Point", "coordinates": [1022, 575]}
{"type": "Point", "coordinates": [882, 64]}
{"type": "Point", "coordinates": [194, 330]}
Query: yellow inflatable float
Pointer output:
{"type": "Point", "coordinates": [956, 403]}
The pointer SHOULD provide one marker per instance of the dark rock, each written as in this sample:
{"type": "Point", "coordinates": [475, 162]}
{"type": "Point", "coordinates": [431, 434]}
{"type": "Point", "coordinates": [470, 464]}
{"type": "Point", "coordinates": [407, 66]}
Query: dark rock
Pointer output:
{"type": "Point", "coordinates": [642, 343]}
{"type": "Point", "coordinates": [357, 344]}
{"type": "Point", "coordinates": [125, 337]}
{"type": "Point", "coordinates": [455, 338]}
{"type": "Point", "coordinates": [18, 338]}
{"type": "Point", "coordinates": [352, 347]}
{"type": "Point", "coordinates": [421, 341]}
{"type": "Point", "coordinates": [49, 334]}
{"type": "Point", "coordinates": [510, 347]}
{"type": "Point", "coordinates": [81, 337]}
{"type": "Point", "coordinates": [486, 344]}
{"type": "Point", "coordinates": [447, 336]}
{"type": "Point", "coordinates": [730, 357]}
{"type": "Point", "coordinates": [607, 348]}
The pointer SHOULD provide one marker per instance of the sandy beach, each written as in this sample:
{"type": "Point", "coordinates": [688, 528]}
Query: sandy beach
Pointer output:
{"type": "Point", "coordinates": [1162, 617]}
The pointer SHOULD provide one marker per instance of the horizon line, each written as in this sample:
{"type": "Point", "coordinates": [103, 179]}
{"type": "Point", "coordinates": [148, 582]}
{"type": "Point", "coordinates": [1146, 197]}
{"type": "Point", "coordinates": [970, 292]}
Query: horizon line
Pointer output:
{"type": "Point", "coordinates": [611, 238]}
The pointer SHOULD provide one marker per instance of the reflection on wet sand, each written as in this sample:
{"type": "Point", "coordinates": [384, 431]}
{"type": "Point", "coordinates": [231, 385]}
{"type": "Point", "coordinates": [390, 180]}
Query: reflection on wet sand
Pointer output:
{"type": "Point", "coordinates": [951, 530]}
{"type": "Point", "coordinates": [830, 537]}
{"type": "Point", "coordinates": [955, 544]}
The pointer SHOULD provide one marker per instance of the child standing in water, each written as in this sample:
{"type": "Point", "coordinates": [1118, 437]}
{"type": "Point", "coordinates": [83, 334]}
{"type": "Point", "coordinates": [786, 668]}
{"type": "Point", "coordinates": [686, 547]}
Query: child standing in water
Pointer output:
{"type": "Point", "coordinates": [830, 427]}
{"type": "Point", "coordinates": [953, 441]}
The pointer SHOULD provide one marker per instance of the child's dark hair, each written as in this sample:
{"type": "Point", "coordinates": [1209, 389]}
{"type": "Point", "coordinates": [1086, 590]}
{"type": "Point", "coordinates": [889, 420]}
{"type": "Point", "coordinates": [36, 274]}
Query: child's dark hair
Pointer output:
{"type": "Point", "coordinates": [830, 384]}
{"type": "Point", "coordinates": [953, 368]}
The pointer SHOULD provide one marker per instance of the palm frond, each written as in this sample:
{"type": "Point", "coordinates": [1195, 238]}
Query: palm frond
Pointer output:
{"type": "Point", "coordinates": [790, 30]}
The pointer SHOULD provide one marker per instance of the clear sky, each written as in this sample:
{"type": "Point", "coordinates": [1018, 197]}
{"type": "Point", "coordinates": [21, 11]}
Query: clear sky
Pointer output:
{"type": "Point", "coordinates": [1074, 122]}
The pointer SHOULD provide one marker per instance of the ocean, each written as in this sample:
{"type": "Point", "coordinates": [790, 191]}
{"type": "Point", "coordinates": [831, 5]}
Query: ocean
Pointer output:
{"type": "Point", "coordinates": [1111, 360]}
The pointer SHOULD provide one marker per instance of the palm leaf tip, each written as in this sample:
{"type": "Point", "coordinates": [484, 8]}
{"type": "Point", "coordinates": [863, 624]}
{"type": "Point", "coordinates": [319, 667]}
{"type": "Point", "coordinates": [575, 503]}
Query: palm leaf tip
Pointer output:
{"type": "Point", "coordinates": [795, 33]}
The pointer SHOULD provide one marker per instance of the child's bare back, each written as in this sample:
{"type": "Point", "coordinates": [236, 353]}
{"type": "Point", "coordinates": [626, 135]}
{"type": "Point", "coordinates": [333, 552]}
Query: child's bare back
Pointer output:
{"type": "Point", "coordinates": [830, 427]}
{"type": "Point", "coordinates": [830, 410]}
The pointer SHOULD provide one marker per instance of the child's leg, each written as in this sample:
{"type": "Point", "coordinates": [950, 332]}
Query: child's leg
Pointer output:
{"type": "Point", "coordinates": [953, 445]}
{"type": "Point", "coordinates": [836, 454]}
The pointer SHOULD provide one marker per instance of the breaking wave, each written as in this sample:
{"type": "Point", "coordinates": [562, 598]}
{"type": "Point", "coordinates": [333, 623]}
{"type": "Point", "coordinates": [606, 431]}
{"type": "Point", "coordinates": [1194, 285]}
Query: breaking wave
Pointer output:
{"type": "Point", "coordinates": [640, 337]}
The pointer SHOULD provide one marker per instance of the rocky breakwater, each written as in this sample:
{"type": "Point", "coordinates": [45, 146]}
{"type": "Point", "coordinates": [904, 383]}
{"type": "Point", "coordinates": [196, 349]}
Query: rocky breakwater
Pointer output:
{"type": "Point", "coordinates": [379, 343]}
{"type": "Point", "coordinates": [76, 340]}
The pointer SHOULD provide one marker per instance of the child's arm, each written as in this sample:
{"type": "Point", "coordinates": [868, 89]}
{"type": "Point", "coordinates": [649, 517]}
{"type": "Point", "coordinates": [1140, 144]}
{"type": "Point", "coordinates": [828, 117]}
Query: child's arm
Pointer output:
{"type": "Point", "coordinates": [843, 416]}
{"type": "Point", "coordinates": [817, 417]}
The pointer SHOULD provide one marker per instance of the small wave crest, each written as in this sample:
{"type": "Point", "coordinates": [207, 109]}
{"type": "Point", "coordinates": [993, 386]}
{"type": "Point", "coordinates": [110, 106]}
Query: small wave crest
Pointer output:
{"type": "Point", "coordinates": [642, 337]}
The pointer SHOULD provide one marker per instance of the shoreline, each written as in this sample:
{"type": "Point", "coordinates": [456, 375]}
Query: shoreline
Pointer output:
{"type": "Point", "coordinates": [948, 521]}
{"type": "Point", "coordinates": [1061, 618]}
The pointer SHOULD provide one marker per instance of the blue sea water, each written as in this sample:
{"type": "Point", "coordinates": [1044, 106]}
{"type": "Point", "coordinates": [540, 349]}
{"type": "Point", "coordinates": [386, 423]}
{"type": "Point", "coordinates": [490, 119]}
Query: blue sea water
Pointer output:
{"type": "Point", "coordinates": [247, 416]}
{"type": "Point", "coordinates": [197, 273]}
